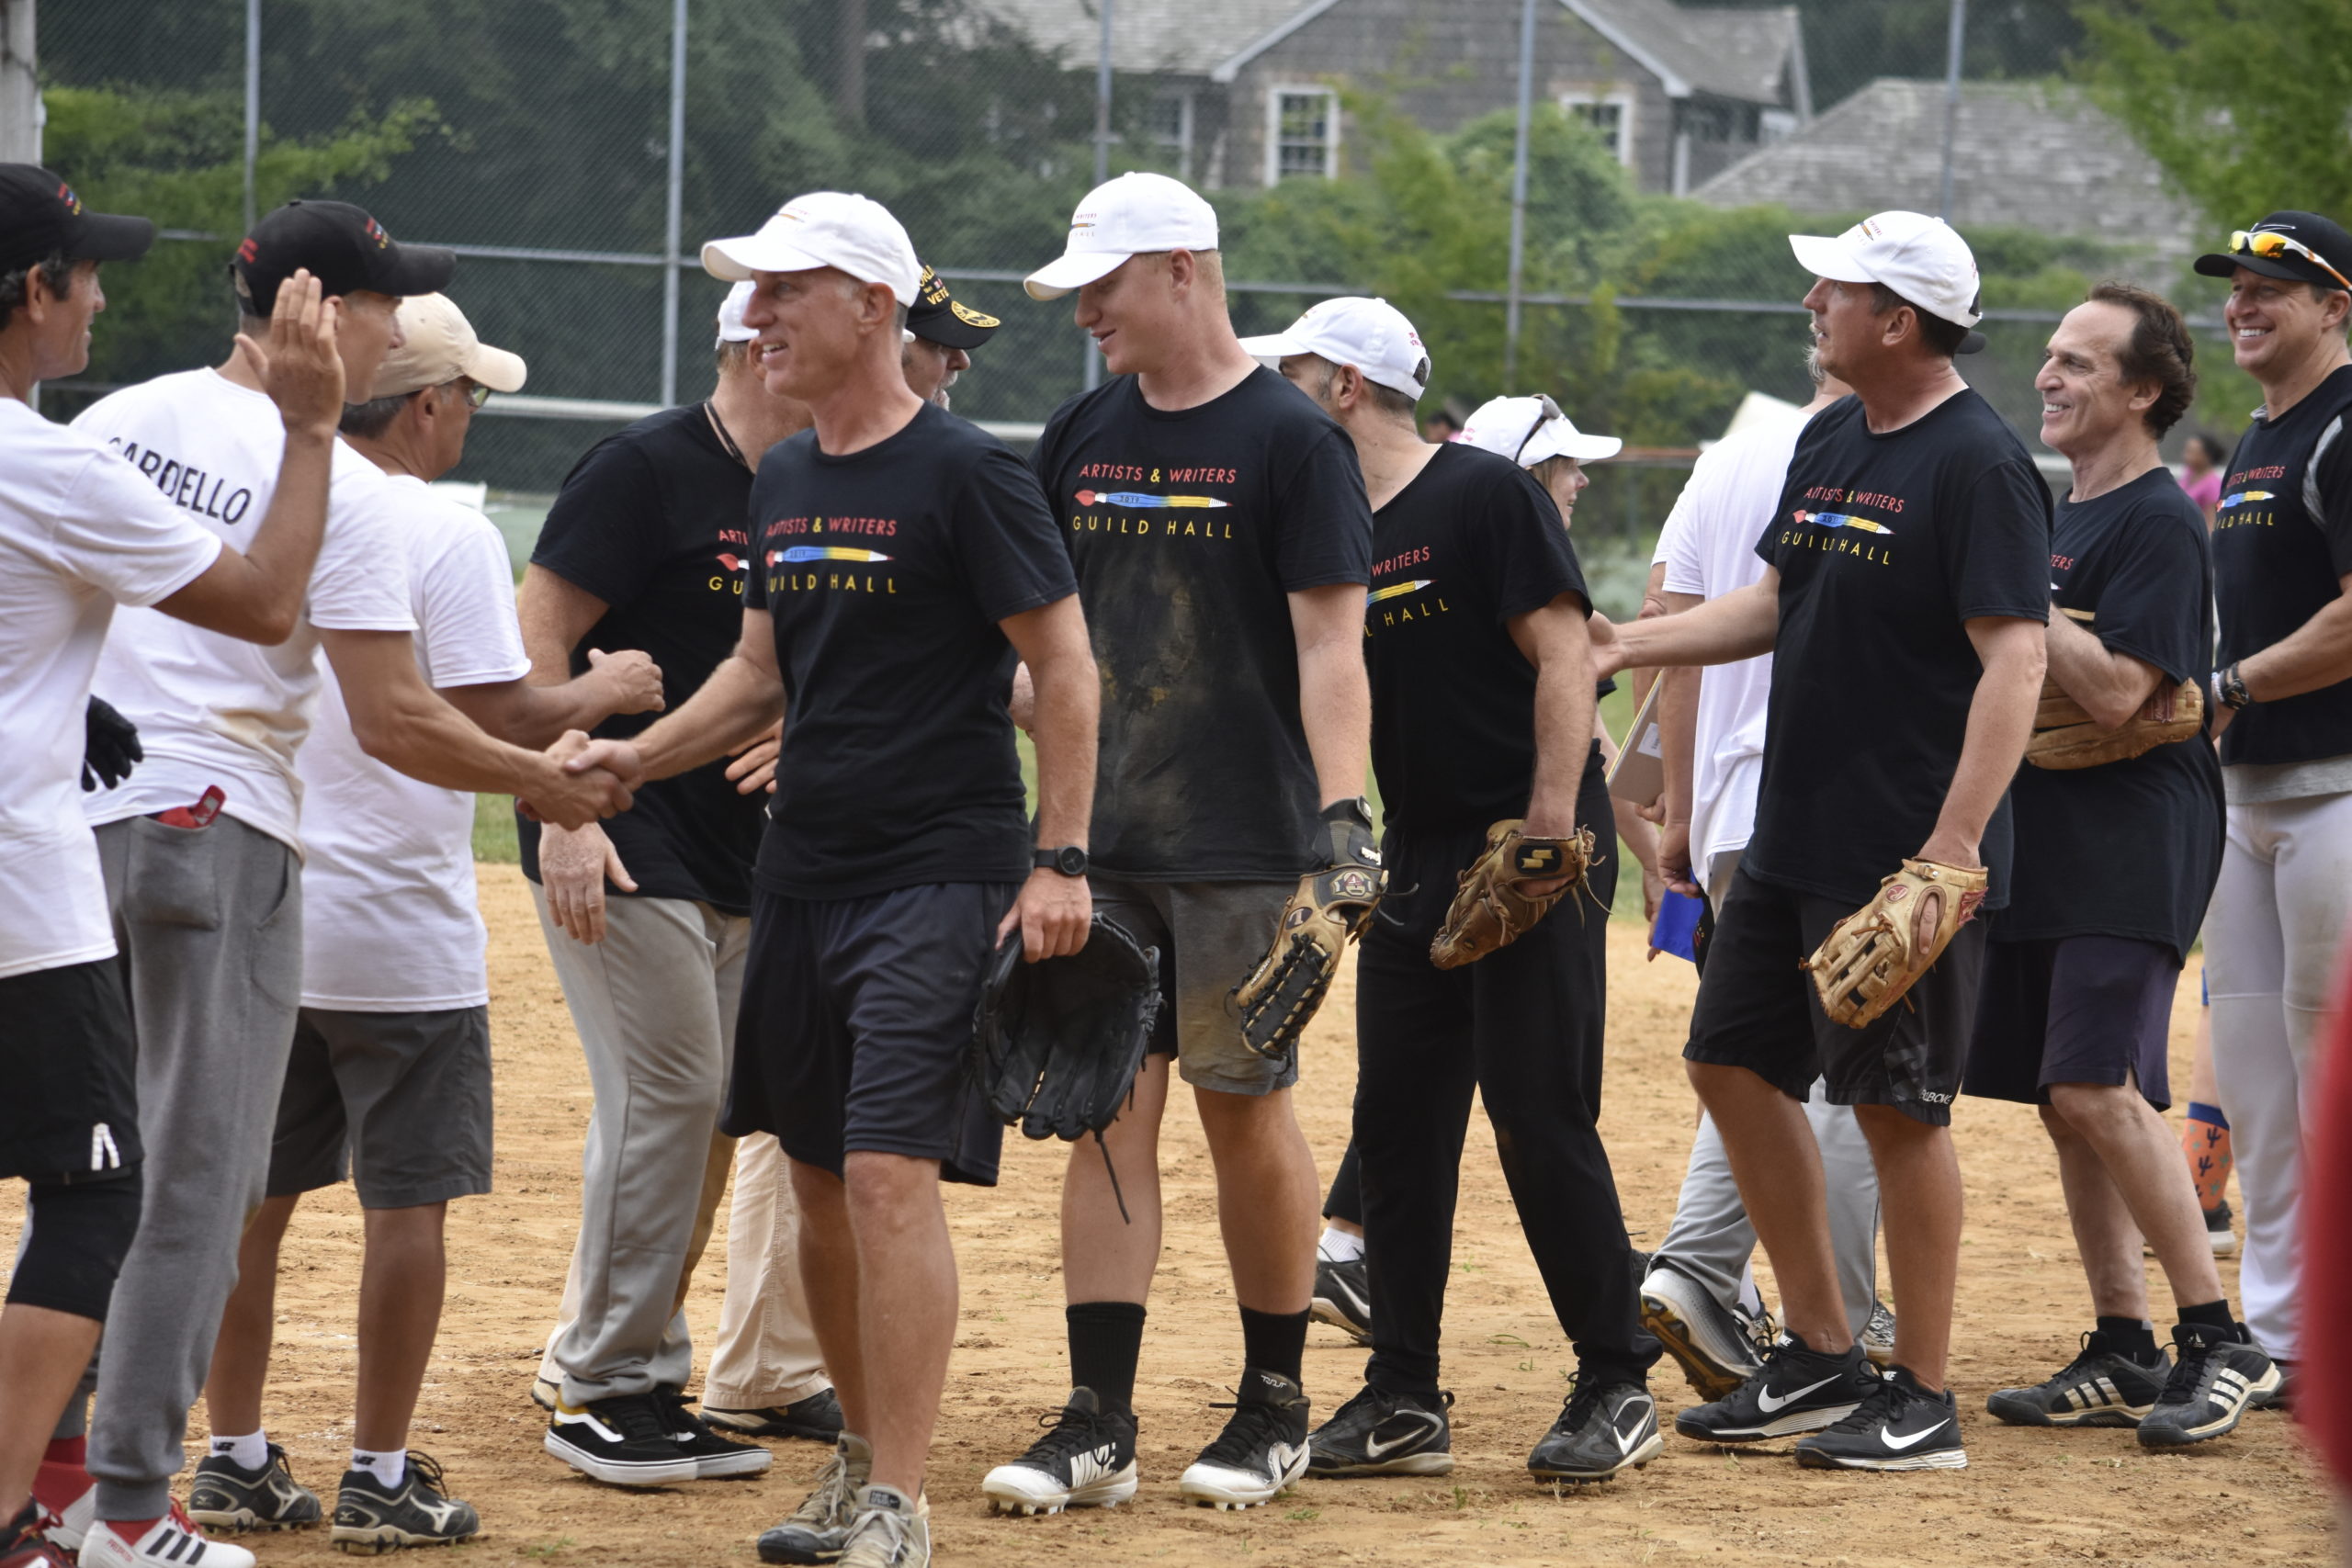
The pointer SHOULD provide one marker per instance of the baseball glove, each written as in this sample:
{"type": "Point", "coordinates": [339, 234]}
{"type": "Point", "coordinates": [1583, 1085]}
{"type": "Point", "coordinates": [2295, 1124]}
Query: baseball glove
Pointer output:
{"type": "Point", "coordinates": [1872, 956]}
{"type": "Point", "coordinates": [1491, 904]}
{"type": "Point", "coordinates": [2065, 738]}
{"type": "Point", "coordinates": [1278, 999]}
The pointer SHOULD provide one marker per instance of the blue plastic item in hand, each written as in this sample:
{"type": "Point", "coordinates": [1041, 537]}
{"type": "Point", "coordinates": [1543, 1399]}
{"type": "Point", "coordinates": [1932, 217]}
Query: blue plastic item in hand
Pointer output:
{"type": "Point", "coordinates": [1677, 924]}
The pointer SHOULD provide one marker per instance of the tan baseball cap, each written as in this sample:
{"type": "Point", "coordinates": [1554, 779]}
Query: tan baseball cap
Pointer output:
{"type": "Point", "coordinates": [440, 347]}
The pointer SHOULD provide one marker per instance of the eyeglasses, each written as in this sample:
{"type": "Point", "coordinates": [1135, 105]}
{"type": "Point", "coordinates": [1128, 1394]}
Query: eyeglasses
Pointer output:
{"type": "Point", "coordinates": [1546, 411]}
{"type": "Point", "coordinates": [2270, 244]}
{"type": "Point", "coordinates": [473, 391]}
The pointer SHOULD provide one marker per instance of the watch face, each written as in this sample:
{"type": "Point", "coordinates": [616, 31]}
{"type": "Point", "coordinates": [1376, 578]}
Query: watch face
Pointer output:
{"type": "Point", "coordinates": [1072, 862]}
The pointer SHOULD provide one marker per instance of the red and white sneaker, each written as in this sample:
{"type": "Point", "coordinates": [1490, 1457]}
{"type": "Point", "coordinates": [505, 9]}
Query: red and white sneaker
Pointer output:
{"type": "Point", "coordinates": [171, 1541]}
{"type": "Point", "coordinates": [25, 1544]}
{"type": "Point", "coordinates": [71, 1499]}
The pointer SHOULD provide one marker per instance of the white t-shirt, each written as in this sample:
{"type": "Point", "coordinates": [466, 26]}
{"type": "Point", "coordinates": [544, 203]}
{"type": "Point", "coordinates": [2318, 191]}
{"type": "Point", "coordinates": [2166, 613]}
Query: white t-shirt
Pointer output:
{"type": "Point", "coordinates": [79, 532]}
{"type": "Point", "coordinates": [211, 709]}
{"type": "Point", "coordinates": [1709, 548]}
{"type": "Point", "coordinates": [389, 921]}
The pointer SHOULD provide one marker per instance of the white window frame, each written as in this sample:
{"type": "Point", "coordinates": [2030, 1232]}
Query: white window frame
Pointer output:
{"type": "Point", "coordinates": [1619, 99]}
{"type": "Point", "coordinates": [1274, 97]}
{"type": "Point", "coordinates": [1182, 145]}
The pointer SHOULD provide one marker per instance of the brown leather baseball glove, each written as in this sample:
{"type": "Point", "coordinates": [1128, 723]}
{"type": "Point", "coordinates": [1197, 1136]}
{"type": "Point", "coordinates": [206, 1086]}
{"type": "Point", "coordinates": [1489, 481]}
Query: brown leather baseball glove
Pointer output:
{"type": "Point", "coordinates": [1491, 904]}
{"type": "Point", "coordinates": [1278, 999]}
{"type": "Point", "coordinates": [1873, 955]}
{"type": "Point", "coordinates": [2065, 738]}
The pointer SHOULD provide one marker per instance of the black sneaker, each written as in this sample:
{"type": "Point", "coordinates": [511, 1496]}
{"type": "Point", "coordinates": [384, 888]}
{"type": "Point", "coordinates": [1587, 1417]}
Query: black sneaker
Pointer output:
{"type": "Point", "coordinates": [1796, 1390]}
{"type": "Point", "coordinates": [2283, 1396]}
{"type": "Point", "coordinates": [628, 1441]}
{"type": "Point", "coordinates": [2216, 1378]}
{"type": "Point", "coordinates": [2100, 1387]}
{"type": "Point", "coordinates": [1343, 1297]}
{"type": "Point", "coordinates": [227, 1498]}
{"type": "Point", "coordinates": [1382, 1433]}
{"type": "Point", "coordinates": [1263, 1452]}
{"type": "Point", "coordinates": [1900, 1426]}
{"type": "Point", "coordinates": [1711, 1345]}
{"type": "Point", "coordinates": [370, 1518]}
{"type": "Point", "coordinates": [1086, 1460]}
{"type": "Point", "coordinates": [23, 1544]}
{"type": "Point", "coordinates": [1604, 1428]}
{"type": "Point", "coordinates": [817, 1419]}
{"type": "Point", "coordinates": [716, 1458]}
{"type": "Point", "coordinates": [817, 1530]}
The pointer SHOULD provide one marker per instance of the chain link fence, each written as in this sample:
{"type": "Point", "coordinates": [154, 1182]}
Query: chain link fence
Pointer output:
{"type": "Point", "coordinates": [536, 136]}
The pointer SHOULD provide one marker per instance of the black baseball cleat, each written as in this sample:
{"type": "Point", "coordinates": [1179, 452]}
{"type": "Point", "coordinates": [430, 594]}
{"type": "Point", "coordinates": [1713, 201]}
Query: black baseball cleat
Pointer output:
{"type": "Point", "coordinates": [1343, 1297]}
{"type": "Point", "coordinates": [2100, 1387]}
{"type": "Point", "coordinates": [2216, 1378]}
{"type": "Point", "coordinates": [1900, 1426]}
{"type": "Point", "coordinates": [1263, 1452]}
{"type": "Point", "coordinates": [1383, 1433]}
{"type": "Point", "coordinates": [1604, 1428]}
{"type": "Point", "coordinates": [1796, 1390]}
{"type": "Point", "coordinates": [1086, 1460]}
{"type": "Point", "coordinates": [716, 1458]}
{"type": "Point", "coordinates": [226, 1497]}
{"type": "Point", "coordinates": [371, 1517]}
{"type": "Point", "coordinates": [817, 1419]}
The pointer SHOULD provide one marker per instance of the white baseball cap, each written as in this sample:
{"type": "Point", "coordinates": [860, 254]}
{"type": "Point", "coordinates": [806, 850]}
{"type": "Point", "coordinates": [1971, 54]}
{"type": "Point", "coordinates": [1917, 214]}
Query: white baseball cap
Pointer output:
{"type": "Point", "coordinates": [438, 346]}
{"type": "Point", "coordinates": [1530, 430]}
{"type": "Point", "coordinates": [1919, 257]}
{"type": "Point", "coordinates": [731, 314]}
{"type": "Point", "coordinates": [825, 228]}
{"type": "Point", "coordinates": [1370, 335]}
{"type": "Point", "coordinates": [1134, 215]}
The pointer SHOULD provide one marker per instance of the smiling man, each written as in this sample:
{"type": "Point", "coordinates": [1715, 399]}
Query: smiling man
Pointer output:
{"type": "Point", "coordinates": [2282, 568]}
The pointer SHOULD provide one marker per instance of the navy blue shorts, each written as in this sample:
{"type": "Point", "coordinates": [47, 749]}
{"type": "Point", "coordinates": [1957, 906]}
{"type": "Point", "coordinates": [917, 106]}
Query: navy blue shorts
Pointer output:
{"type": "Point", "coordinates": [856, 1027]}
{"type": "Point", "coordinates": [2076, 1010]}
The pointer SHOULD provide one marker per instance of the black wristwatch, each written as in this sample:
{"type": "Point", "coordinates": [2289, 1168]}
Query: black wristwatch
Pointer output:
{"type": "Point", "coordinates": [1070, 860]}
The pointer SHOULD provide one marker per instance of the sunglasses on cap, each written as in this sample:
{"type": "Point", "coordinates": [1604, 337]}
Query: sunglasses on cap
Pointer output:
{"type": "Point", "coordinates": [1546, 411]}
{"type": "Point", "coordinates": [2270, 244]}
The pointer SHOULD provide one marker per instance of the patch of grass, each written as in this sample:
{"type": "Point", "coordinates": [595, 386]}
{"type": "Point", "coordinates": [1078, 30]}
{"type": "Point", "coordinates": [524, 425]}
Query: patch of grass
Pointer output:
{"type": "Point", "coordinates": [494, 831]}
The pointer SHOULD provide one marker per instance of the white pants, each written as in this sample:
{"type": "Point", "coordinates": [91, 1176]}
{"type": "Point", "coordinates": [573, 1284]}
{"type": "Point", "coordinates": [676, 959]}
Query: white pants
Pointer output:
{"type": "Point", "coordinates": [2273, 938]}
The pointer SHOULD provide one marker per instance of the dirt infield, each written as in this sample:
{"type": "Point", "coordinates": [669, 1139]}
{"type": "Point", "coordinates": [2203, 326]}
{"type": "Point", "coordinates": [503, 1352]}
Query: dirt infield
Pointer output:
{"type": "Point", "coordinates": [2028, 1497]}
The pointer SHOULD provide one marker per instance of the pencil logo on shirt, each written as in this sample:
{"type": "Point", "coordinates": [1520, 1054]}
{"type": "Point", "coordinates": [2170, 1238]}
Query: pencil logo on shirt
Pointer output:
{"type": "Point", "coordinates": [1842, 520]}
{"type": "Point", "coordinates": [798, 554]}
{"type": "Point", "coordinates": [1137, 499]}
{"type": "Point", "coordinates": [1397, 589]}
{"type": "Point", "coordinates": [732, 562]}
{"type": "Point", "coordinates": [2245, 496]}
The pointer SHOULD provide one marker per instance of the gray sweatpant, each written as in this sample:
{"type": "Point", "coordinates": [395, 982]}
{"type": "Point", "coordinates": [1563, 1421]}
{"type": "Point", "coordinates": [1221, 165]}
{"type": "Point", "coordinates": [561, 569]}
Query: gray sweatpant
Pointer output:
{"type": "Point", "coordinates": [209, 922]}
{"type": "Point", "coordinates": [654, 1006]}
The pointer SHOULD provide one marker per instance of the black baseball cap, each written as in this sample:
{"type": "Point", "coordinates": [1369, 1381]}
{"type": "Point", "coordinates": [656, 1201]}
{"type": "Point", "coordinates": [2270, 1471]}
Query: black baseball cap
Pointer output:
{"type": "Point", "coordinates": [41, 216]}
{"type": "Point", "coordinates": [2314, 250]}
{"type": "Point", "coordinates": [937, 317]}
{"type": "Point", "coordinates": [345, 250]}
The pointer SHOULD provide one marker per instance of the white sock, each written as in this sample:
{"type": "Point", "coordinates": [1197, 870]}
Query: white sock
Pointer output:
{"type": "Point", "coordinates": [387, 1467]}
{"type": "Point", "coordinates": [1338, 1245]}
{"type": "Point", "coordinates": [248, 1452]}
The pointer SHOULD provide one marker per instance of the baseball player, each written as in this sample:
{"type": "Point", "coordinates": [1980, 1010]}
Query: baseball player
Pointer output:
{"type": "Point", "coordinates": [648, 918]}
{"type": "Point", "coordinates": [1218, 525]}
{"type": "Point", "coordinates": [1482, 710]}
{"type": "Point", "coordinates": [81, 531]}
{"type": "Point", "coordinates": [903, 557]}
{"type": "Point", "coordinates": [1699, 1294]}
{"type": "Point", "coordinates": [1902, 599]}
{"type": "Point", "coordinates": [2282, 570]}
{"type": "Point", "coordinates": [201, 844]}
{"type": "Point", "coordinates": [391, 1069]}
{"type": "Point", "coordinates": [2077, 1015]}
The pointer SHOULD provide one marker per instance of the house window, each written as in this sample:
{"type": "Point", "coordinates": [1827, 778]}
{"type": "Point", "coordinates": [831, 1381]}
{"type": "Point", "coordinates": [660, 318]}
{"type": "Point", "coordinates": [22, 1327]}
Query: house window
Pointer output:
{"type": "Point", "coordinates": [1171, 131]}
{"type": "Point", "coordinates": [1302, 133]}
{"type": "Point", "coordinates": [1610, 112]}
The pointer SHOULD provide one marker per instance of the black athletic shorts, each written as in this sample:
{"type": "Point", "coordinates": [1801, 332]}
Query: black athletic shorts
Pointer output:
{"type": "Point", "coordinates": [856, 1027]}
{"type": "Point", "coordinates": [399, 1101]}
{"type": "Point", "coordinates": [1758, 1009]}
{"type": "Point", "coordinates": [2074, 1009]}
{"type": "Point", "coordinates": [69, 1111]}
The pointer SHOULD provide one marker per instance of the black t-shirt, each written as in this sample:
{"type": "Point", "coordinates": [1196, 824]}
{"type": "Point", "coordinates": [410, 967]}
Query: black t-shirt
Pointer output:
{"type": "Point", "coordinates": [1470, 545]}
{"type": "Point", "coordinates": [2136, 558]}
{"type": "Point", "coordinates": [1885, 545]}
{"type": "Point", "coordinates": [651, 521]}
{"type": "Point", "coordinates": [2277, 563]}
{"type": "Point", "coordinates": [887, 571]}
{"type": "Point", "coordinates": [1187, 530]}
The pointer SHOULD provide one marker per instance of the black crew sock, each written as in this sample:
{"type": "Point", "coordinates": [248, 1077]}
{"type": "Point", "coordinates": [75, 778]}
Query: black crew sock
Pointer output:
{"type": "Point", "coordinates": [1106, 1343]}
{"type": "Point", "coordinates": [2212, 1314]}
{"type": "Point", "coordinates": [1274, 1342]}
{"type": "Point", "coordinates": [2131, 1336]}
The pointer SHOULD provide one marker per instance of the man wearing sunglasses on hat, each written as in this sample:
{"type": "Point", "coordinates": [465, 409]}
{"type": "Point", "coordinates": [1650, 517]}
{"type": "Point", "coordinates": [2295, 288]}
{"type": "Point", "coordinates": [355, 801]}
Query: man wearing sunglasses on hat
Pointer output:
{"type": "Point", "coordinates": [2282, 567]}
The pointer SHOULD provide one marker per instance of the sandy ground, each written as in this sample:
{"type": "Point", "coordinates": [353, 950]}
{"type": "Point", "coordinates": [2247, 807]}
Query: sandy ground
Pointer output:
{"type": "Point", "coordinates": [2027, 1496]}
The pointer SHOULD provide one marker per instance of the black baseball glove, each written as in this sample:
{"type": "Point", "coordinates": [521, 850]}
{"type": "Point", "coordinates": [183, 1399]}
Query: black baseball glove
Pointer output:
{"type": "Point", "coordinates": [1056, 1044]}
{"type": "Point", "coordinates": [109, 745]}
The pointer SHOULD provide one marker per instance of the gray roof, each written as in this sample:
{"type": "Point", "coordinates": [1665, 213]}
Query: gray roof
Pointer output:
{"type": "Point", "coordinates": [1734, 53]}
{"type": "Point", "coordinates": [1188, 37]}
{"type": "Point", "coordinates": [2030, 154]}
